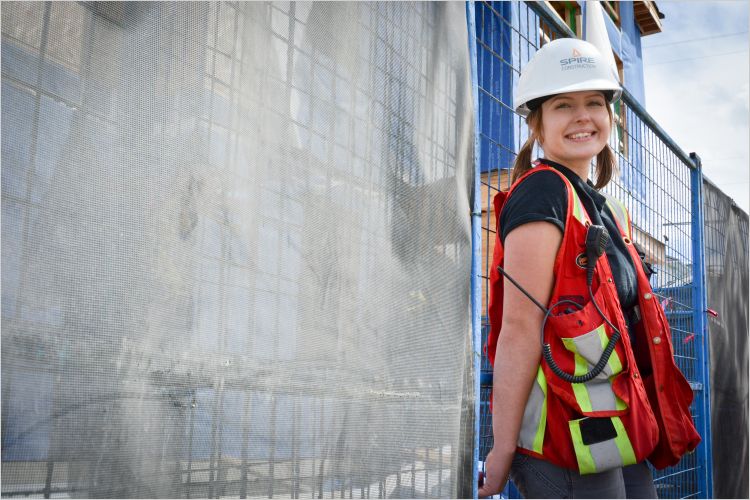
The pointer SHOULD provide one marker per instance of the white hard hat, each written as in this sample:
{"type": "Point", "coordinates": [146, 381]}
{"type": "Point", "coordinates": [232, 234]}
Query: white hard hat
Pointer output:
{"type": "Point", "coordinates": [565, 65]}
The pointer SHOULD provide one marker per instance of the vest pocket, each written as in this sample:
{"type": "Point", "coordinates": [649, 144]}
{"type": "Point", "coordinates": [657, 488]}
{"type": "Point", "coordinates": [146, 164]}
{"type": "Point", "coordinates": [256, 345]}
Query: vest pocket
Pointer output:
{"type": "Point", "coordinates": [597, 394]}
{"type": "Point", "coordinates": [601, 444]}
{"type": "Point", "coordinates": [578, 340]}
{"type": "Point", "coordinates": [588, 349]}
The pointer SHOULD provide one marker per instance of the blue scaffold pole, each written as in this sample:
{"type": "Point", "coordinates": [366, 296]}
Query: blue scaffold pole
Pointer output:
{"type": "Point", "coordinates": [476, 248]}
{"type": "Point", "coordinates": [700, 324]}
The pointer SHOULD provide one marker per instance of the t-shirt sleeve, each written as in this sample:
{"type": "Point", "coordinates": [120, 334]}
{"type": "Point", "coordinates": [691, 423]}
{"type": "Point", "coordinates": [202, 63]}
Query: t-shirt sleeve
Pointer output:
{"type": "Point", "coordinates": [540, 197]}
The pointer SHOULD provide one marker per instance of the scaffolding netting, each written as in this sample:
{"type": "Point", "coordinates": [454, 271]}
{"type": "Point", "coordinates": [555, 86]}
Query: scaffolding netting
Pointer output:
{"type": "Point", "coordinates": [726, 252]}
{"type": "Point", "coordinates": [236, 249]}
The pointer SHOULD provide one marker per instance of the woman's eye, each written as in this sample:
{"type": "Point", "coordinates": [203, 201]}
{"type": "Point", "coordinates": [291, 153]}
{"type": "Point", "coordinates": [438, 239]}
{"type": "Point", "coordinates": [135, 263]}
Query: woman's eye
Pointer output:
{"type": "Point", "coordinates": [562, 105]}
{"type": "Point", "coordinates": [596, 103]}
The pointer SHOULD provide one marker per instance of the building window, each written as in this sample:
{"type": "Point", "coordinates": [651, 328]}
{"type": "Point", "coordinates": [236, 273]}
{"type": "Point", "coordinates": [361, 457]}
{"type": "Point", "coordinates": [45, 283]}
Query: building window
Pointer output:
{"type": "Point", "coordinates": [570, 14]}
{"type": "Point", "coordinates": [613, 10]}
{"type": "Point", "coordinates": [620, 115]}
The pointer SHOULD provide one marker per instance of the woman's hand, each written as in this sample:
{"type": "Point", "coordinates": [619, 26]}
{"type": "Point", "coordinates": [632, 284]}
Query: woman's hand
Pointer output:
{"type": "Point", "coordinates": [497, 466]}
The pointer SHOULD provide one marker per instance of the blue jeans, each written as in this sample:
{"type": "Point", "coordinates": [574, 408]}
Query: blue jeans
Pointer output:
{"type": "Point", "coordinates": [537, 478]}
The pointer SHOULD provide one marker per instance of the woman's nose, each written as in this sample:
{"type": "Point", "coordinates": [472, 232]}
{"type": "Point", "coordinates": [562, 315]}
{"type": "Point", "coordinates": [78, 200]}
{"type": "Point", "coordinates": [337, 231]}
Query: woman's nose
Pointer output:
{"type": "Point", "coordinates": [582, 114]}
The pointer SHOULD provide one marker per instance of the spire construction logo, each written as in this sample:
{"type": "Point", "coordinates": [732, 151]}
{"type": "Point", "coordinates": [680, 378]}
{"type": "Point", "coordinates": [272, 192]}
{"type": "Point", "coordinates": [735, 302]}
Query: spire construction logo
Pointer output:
{"type": "Point", "coordinates": [577, 61]}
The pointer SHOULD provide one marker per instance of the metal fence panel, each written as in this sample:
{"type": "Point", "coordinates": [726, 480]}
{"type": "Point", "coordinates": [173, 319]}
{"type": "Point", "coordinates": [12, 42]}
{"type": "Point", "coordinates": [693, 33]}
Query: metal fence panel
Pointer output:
{"type": "Point", "coordinates": [656, 183]}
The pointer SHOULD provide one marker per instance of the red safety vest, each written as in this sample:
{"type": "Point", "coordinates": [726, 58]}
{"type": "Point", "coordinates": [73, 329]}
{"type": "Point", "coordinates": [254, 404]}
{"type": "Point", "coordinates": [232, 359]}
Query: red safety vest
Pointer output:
{"type": "Point", "coordinates": [641, 398]}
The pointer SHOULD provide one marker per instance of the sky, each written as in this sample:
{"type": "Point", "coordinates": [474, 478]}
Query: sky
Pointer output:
{"type": "Point", "coordinates": [696, 84]}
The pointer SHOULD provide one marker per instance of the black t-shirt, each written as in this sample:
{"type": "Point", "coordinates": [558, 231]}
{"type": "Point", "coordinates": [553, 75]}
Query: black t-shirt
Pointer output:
{"type": "Point", "coordinates": [544, 197]}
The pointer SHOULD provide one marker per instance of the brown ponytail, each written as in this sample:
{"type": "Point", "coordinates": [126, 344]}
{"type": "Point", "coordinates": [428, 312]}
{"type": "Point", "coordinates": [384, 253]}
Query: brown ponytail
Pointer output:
{"type": "Point", "coordinates": [522, 163]}
{"type": "Point", "coordinates": [605, 167]}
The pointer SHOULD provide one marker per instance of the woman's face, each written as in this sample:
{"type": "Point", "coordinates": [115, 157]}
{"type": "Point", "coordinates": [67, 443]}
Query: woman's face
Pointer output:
{"type": "Point", "coordinates": [575, 128]}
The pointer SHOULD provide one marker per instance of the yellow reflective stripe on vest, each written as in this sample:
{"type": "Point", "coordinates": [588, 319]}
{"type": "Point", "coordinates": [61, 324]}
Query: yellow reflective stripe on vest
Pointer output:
{"type": "Point", "coordinates": [621, 214]}
{"type": "Point", "coordinates": [578, 211]}
{"type": "Point", "coordinates": [605, 455]}
{"type": "Point", "coordinates": [623, 443]}
{"type": "Point", "coordinates": [580, 390]}
{"type": "Point", "coordinates": [541, 427]}
{"type": "Point", "coordinates": [614, 360]}
{"type": "Point", "coordinates": [614, 364]}
{"type": "Point", "coordinates": [596, 394]}
{"type": "Point", "coordinates": [534, 423]}
{"type": "Point", "coordinates": [586, 464]}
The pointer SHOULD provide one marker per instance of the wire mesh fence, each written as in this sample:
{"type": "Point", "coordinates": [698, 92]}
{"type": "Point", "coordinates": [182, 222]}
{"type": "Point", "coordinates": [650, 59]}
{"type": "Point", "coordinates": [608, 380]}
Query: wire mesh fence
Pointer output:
{"type": "Point", "coordinates": [656, 182]}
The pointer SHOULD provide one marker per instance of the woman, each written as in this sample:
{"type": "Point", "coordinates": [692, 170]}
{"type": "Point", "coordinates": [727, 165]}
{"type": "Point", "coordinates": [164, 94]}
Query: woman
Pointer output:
{"type": "Point", "coordinates": [580, 420]}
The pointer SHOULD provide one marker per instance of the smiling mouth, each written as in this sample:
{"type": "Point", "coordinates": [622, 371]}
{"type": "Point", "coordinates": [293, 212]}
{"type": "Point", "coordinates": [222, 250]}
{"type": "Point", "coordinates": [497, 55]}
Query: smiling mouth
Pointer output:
{"type": "Point", "coordinates": [580, 136]}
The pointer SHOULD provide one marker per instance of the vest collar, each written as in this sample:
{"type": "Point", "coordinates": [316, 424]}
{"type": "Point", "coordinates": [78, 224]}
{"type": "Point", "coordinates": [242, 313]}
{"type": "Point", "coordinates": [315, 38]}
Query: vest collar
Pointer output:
{"type": "Point", "coordinates": [578, 183]}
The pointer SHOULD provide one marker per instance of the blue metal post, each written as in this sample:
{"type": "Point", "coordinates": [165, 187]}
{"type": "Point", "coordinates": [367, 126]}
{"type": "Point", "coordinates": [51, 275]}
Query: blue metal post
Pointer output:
{"type": "Point", "coordinates": [700, 325]}
{"type": "Point", "coordinates": [476, 248]}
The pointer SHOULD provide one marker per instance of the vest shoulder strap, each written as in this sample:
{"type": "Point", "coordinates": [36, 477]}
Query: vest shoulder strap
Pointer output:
{"type": "Point", "coordinates": [622, 218]}
{"type": "Point", "coordinates": [575, 205]}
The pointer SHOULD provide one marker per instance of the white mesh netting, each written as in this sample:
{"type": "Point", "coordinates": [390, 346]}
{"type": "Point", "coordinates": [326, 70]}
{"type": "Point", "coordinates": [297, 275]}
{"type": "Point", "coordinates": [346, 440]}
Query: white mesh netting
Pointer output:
{"type": "Point", "coordinates": [235, 249]}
